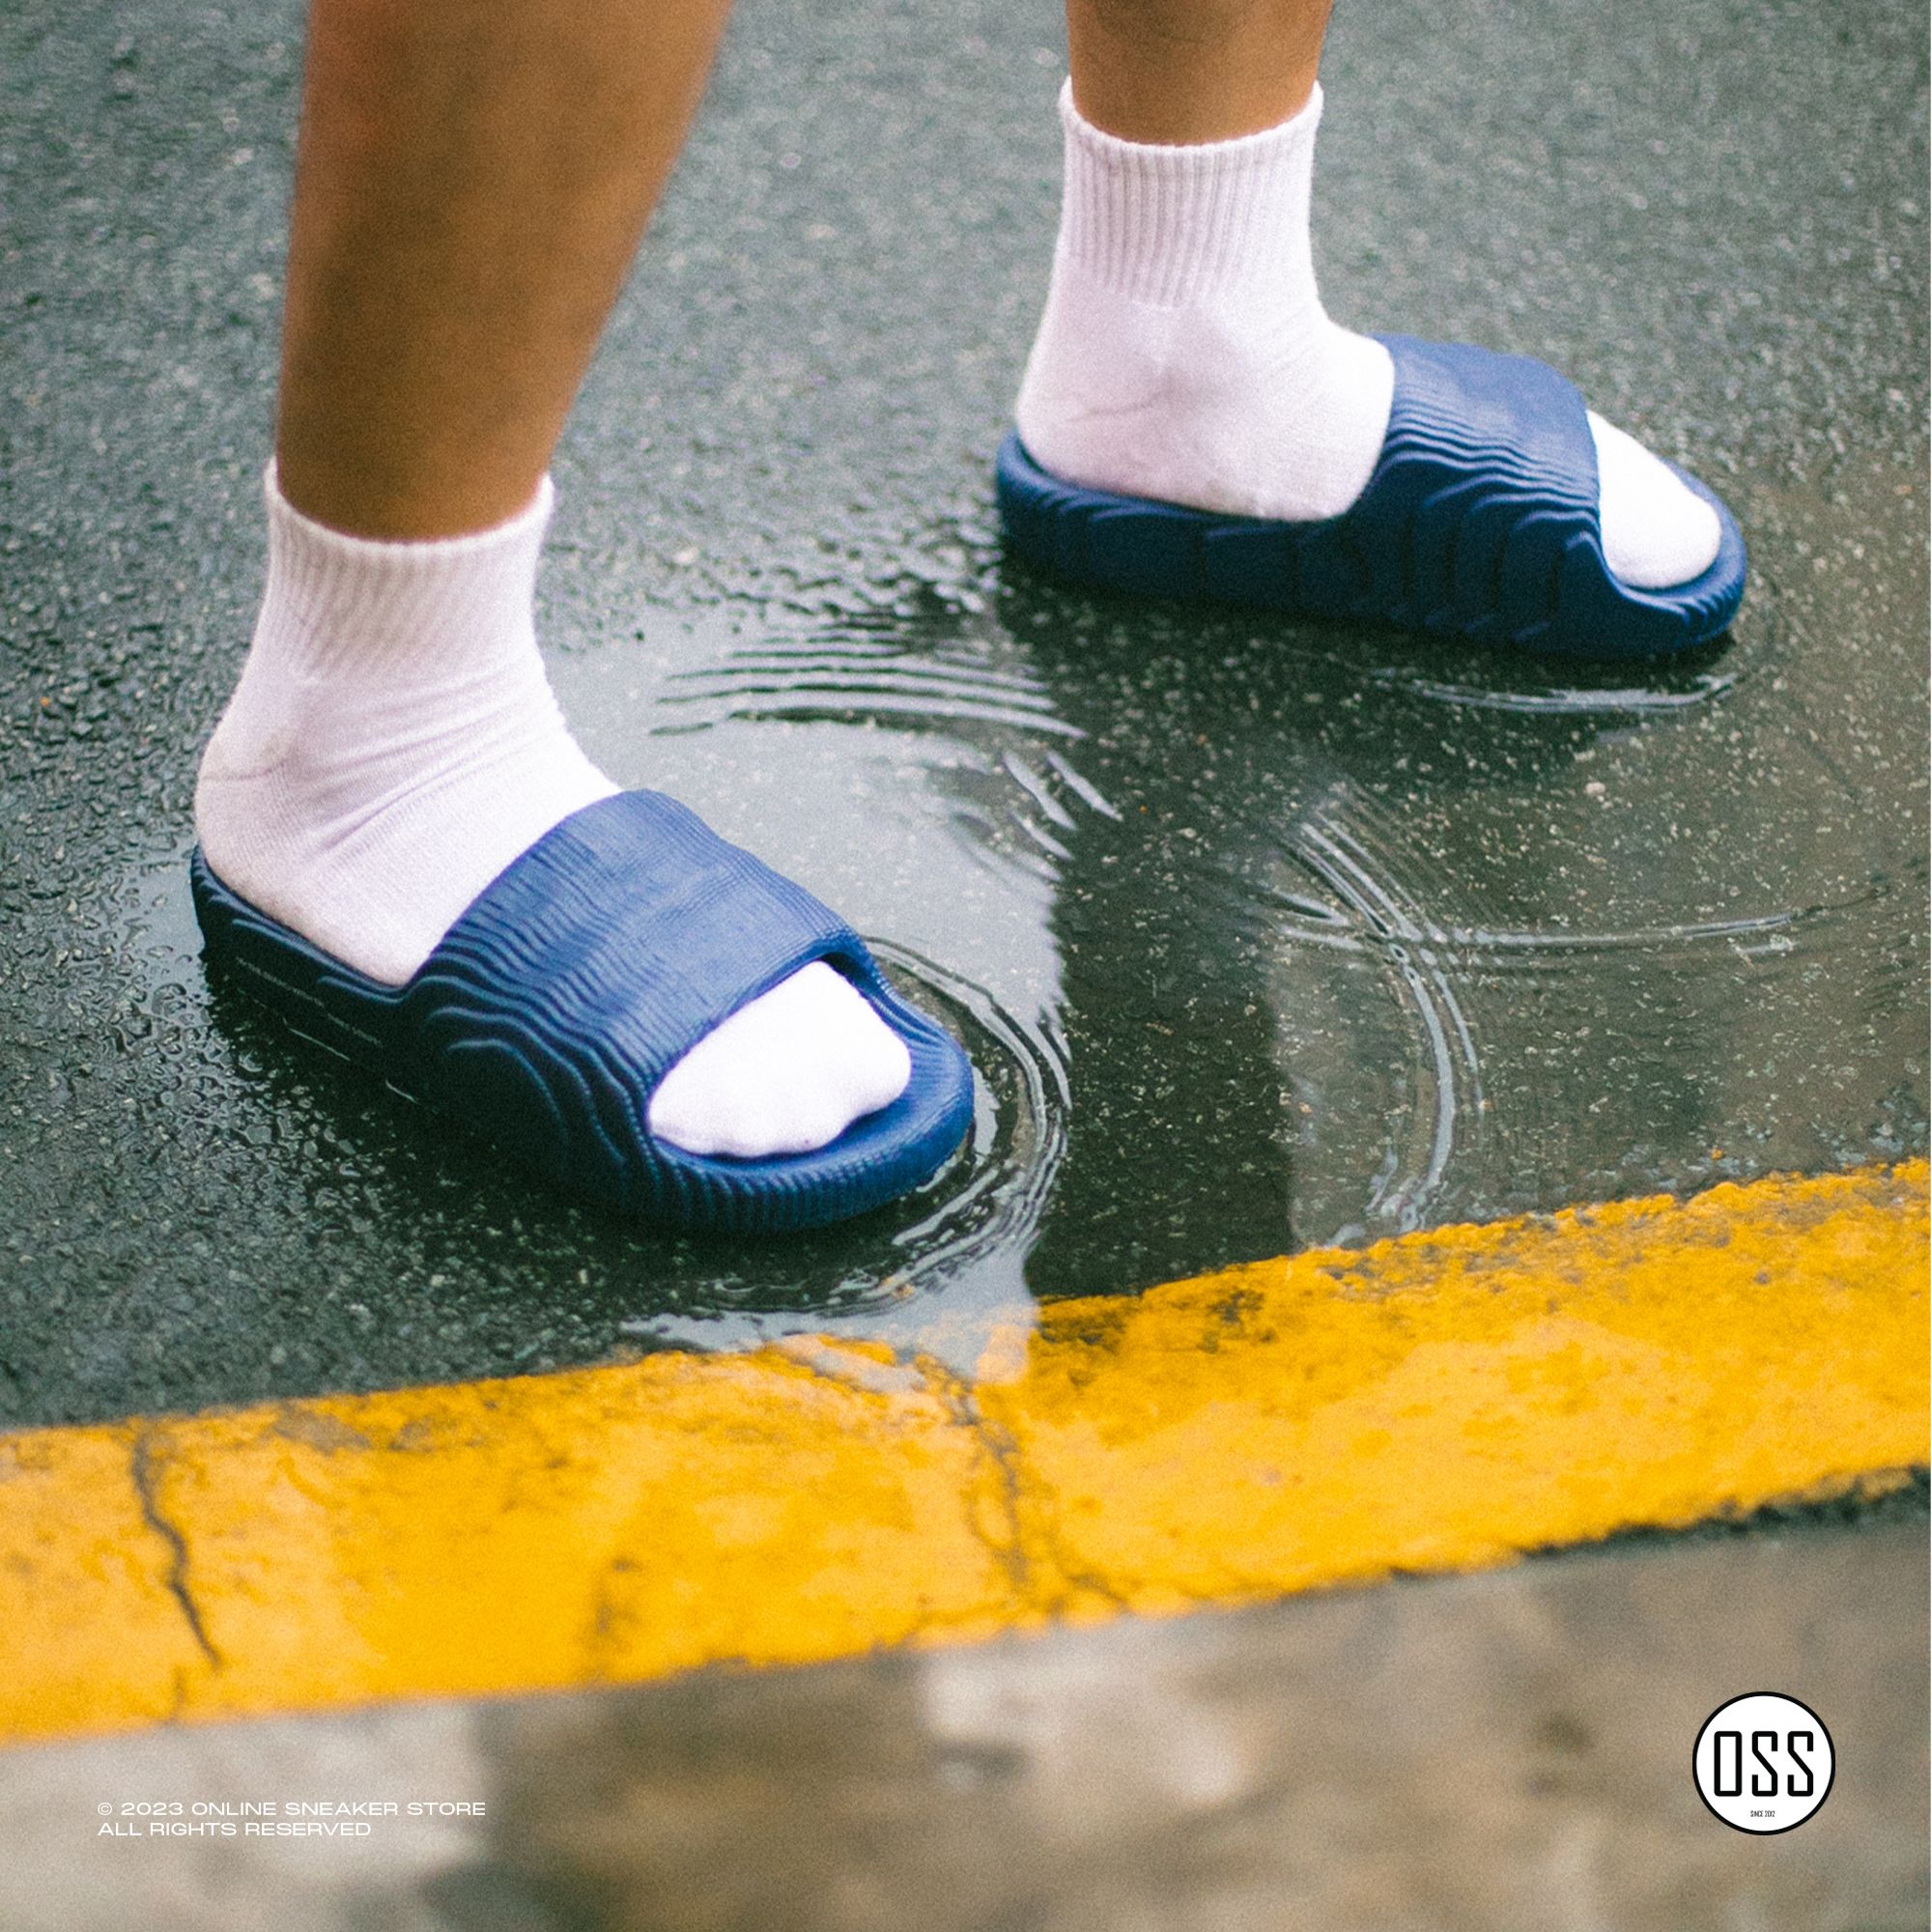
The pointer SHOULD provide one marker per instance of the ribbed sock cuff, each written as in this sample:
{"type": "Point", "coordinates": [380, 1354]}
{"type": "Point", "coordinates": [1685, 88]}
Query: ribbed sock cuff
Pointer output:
{"type": "Point", "coordinates": [429, 607]}
{"type": "Point", "coordinates": [1168, 225]}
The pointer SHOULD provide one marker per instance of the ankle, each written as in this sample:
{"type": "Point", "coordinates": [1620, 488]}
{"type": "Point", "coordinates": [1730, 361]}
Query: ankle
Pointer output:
{"type": "Point", "coordinates": [418, 609]}
{"type": "Point", "coordinates": [1183, 227]}
{"type": "Point", "coordinates": [392, 741]}
{"type": "Point", "coordinates": [1185, 354]}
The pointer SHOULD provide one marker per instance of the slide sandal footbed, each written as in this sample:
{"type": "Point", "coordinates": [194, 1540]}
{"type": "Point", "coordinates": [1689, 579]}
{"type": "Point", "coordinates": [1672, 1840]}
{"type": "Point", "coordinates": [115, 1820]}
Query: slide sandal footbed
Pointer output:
{"type": "Point", "coordinates": [547, 1013]}
{"type": "Point", "coordinates": [1479, 521]}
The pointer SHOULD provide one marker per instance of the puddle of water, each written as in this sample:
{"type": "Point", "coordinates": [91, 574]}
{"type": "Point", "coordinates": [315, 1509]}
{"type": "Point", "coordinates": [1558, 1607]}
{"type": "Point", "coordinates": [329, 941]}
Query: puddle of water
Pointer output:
{"type": "Point", "coordinates": [1355, 935]}
{"type": "Point", "coordinates": [1259, 935]}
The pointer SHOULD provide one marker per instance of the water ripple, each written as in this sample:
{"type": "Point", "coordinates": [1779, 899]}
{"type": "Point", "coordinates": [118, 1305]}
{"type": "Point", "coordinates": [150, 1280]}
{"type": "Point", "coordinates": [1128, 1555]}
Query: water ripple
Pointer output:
{"type": "Point", "coordinates": [848, 676]}
{"type": "Point", "coordinates": [1557, 701]}
{"type": "Point", "coordinates": [1557, 1006]}
{"type": "Point", "coordinates": [1448, 1069]}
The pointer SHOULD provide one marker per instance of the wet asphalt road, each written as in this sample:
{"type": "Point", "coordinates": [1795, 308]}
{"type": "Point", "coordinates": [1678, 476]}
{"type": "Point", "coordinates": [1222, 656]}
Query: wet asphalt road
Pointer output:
{"type": "Point", "coordinates": [1260, 934]}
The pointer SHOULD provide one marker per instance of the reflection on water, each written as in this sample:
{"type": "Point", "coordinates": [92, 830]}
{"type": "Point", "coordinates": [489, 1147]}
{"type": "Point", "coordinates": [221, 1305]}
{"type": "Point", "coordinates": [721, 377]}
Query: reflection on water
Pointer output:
{"type": "Point", "coordinates": [1260, 936]}
{"type": "Point", "coordinates": [1351, 935]}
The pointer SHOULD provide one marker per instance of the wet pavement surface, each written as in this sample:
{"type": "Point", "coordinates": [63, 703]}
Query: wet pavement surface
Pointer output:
{"type": "Point", "coordinates": [1509, 1752]}
{"type": "Point", "coordinates": [1260, 934]}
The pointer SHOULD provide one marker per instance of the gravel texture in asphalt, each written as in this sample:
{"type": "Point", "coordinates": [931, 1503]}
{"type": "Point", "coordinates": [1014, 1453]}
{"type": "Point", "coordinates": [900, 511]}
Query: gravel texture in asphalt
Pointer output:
{"type": "Point", "coordinates": [1261, 934]}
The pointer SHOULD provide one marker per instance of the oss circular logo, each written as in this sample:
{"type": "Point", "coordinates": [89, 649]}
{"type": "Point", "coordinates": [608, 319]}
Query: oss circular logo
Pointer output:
{"type": "Point", "coordinates": [1763, 1763]}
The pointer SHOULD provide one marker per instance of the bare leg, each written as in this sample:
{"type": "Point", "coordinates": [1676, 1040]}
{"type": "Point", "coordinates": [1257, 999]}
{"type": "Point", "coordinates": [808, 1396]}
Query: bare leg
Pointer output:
{"type": "Point", "coordinates": [1189, 70]}
{"type": "Point", "coordinates": [473, 180]}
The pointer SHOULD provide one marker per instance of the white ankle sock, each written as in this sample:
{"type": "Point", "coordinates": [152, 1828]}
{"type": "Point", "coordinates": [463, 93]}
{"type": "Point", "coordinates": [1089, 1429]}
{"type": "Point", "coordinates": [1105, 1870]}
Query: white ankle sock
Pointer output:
{"type": "Point", "coordinates": [1185, 354]}
{"type": "Point", "coordinates": [393, 744]}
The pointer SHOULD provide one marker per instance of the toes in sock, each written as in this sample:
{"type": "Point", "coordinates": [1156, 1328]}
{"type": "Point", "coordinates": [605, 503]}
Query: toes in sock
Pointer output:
{"type": "Point", "coordinates": [393, 744]}
{"type": "Point", "coordinates": [1656, 532]}
{"type": "Point", "coordinates": [1185, 354]}
{"type": "Point", "coordinates": [785, 1073]}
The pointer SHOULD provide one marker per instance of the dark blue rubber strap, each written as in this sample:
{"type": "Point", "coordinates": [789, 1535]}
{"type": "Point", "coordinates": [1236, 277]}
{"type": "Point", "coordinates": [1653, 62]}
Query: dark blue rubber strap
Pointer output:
{"type": "Point", "coordinates": [1479, 521]}
{"type": "Point", "coordinates": [632, 927]}
{"type": "Point", "coordinates": [1488, 475]}
{"type": "Point", "coordinates": [547, 1013]}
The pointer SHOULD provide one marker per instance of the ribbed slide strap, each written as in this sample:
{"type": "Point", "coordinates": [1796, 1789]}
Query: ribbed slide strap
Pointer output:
{"type": "Point", "coordinates": [578, 977]}
{"type": "Point", "coordinates": [1486, 479]}
{"type": "Point", "coordinates": [1479, 521]}
{"type": "Point", "coordinates": [549, 1010]}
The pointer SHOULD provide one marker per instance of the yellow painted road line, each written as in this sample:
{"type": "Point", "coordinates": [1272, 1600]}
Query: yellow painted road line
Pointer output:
{"type": "Point", "coordinates": [1435, 1403]}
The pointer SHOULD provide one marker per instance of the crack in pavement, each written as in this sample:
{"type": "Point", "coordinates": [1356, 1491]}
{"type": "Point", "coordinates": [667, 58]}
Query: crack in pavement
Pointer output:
{"type": "Point", "coordinates": [1032, 1561]}
{"type": "Point", "coordinates": [1025, 1495]}
{"type": "Point", "coordinates": [141, 1469]}
{"type": "Point", "coordinates": [955, 1397]}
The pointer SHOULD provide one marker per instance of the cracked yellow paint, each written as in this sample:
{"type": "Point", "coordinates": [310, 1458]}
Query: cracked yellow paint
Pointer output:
{"type": "Point", "coordinates": [1439, 1402]}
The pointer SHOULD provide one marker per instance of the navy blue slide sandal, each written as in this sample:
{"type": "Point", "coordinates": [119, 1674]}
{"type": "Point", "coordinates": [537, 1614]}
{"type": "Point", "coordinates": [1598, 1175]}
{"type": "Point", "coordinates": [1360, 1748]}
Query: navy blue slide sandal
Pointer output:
{"type": "Point", "coordinates": [1479, 521]}
{"type": "Point", "coordinates": [575, 980]}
